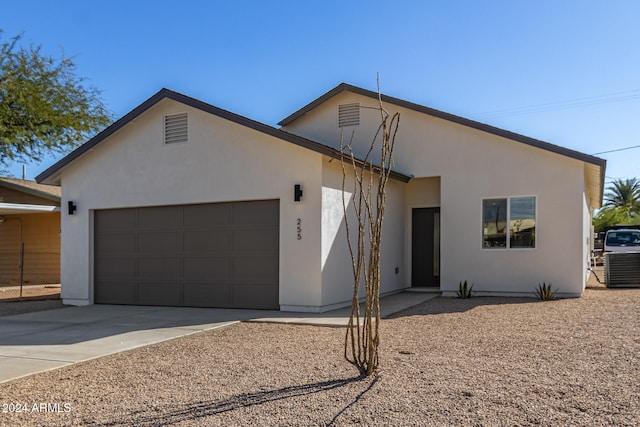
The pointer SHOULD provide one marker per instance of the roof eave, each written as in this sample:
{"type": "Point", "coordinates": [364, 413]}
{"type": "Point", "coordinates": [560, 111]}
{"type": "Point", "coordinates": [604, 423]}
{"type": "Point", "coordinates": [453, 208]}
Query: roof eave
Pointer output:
{"type": "Point", "coordinates": [445, 116]}
{"type": "Point", "coordinates": [31, 191]}
{"type": "Point", "coordinates": [52, 174]}
{"type": "Point", "coordinates": [19, 209]}
{"type": "Point", "coordinates": [52, 171]}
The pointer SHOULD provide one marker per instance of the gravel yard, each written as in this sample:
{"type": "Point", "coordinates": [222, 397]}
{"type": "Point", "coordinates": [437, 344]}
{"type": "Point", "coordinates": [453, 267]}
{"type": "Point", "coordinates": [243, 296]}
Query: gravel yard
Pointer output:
{"type": "Point", "coordinates": [482, 361]}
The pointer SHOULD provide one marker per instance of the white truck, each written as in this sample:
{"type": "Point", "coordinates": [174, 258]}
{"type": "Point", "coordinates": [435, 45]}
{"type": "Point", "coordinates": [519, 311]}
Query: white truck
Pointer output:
{"type": "Point", "coordinates": [622, 240]}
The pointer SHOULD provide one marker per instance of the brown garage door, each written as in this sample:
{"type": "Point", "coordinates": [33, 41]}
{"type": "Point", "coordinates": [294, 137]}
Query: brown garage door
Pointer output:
{"type": "Point", "coordinates": [209, 255]}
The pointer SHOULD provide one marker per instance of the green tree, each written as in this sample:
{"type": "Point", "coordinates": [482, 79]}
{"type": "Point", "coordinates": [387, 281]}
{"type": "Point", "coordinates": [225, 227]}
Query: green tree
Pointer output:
{"type": "Point", "coordinates": [44, 107]}
{"type": "Point", "coordinates": [611, 216]}
{"type": "Point", "coordinates": [624, 195]}
{"type": "Point", "coordinates": [622, 205]}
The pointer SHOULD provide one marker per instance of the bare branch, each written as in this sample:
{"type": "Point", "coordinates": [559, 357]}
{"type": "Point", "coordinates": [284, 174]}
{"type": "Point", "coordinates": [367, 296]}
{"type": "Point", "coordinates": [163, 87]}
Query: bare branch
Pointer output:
{"type": "Point", "coordinates": [369, 199]}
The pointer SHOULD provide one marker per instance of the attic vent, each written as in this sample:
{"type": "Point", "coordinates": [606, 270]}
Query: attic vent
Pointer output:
{"type": "Point", "coordinates": [176, 128]}
{"type": "Point", "coordinates": [349, 115]}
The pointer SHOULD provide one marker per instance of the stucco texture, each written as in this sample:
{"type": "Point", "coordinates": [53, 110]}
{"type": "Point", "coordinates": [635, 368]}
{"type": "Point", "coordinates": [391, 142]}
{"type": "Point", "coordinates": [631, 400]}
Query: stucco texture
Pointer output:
{"type": "Point", "coordinates": [222, 161]}
{"type": "Point", "coordinates": [472, 165]}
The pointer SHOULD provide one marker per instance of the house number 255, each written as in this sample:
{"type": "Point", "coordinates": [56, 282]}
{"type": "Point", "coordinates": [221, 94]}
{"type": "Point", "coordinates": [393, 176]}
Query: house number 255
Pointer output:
{"type": "Point", "coordinates": [299, 228]}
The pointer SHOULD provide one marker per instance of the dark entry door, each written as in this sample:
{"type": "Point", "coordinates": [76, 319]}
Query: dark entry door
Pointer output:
{"type": "Point", "coordinates": [425, 247]}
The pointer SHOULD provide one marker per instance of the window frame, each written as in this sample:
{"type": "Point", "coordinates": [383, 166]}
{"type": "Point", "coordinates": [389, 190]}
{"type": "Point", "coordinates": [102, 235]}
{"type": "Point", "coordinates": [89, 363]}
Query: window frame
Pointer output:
{"type": "Point", "coordinates": [508, 247]}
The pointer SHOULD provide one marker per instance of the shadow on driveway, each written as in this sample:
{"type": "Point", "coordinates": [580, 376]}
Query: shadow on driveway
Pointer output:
{"type": "Point", "coordinates": [44, 340]}
{"type": "Point", "coordinates": [72, 325]}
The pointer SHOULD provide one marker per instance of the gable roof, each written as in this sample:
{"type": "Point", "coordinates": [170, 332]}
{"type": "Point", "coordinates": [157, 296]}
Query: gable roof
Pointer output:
{"type": "Point", "coordinates": [49, 192]}
{"type": "Point", "coordinates": [597, 165]}
{"type": "Point", "coordinates": [342, 87]}
{"type": "Point", "coordinates": [52, 174]}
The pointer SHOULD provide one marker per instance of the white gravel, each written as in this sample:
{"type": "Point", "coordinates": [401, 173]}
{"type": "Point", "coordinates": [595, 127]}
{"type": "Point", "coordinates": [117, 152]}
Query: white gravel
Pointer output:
{"type": "Point", "coordinates": [476, 362]}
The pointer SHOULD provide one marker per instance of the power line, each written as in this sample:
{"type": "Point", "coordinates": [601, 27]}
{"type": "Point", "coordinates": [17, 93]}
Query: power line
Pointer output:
{"type": "Point", "coordinates": [566, 104]}
{"type": "Point", "coordinates": [616, 150]}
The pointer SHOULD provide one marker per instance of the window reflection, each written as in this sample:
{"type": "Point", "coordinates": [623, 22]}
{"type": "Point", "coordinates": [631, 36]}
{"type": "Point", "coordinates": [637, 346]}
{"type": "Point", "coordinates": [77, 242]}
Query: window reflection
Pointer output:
{"type": "Point", "coordinates": [494, 223]}
{"type": "Point", "coordinates": [522, 222]}
{"type": "Point", "coordinates": [519, 213]}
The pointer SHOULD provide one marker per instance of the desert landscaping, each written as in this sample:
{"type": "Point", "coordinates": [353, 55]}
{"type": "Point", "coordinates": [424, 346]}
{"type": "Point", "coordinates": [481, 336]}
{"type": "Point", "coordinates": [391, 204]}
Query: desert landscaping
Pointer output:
{"type": "Point", "coordinates": [482, 361]}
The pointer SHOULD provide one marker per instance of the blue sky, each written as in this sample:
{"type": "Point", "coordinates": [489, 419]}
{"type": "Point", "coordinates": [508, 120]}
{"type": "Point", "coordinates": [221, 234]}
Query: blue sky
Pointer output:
{"type": "Point", "coordinates": [576, 62]}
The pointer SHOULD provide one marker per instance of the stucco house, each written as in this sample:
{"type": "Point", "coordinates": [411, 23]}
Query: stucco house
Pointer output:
{"type": "Point", "coordinates": [182, 203]}
{"type": "Point", "coordinates": [29, 215]}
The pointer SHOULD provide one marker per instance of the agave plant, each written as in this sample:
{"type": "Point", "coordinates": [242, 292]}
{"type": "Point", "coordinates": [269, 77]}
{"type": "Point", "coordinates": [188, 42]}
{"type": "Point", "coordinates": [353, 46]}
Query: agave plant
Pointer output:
{"type": "Point", "coordinates": [544, 292]}
{"type": "Point", "coordinates": [465, 290]}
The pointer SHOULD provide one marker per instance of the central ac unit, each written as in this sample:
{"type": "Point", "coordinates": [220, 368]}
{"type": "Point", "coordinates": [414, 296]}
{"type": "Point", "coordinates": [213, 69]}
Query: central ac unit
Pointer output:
{"type": "Point", "coordinates": [622, 269]}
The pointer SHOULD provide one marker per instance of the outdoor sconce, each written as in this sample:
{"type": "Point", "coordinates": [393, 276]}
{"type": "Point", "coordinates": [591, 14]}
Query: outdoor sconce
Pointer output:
{"type": "Point", "coordinates": [297, 192]}
{"type": "Point", "coordinates": [71, 207]}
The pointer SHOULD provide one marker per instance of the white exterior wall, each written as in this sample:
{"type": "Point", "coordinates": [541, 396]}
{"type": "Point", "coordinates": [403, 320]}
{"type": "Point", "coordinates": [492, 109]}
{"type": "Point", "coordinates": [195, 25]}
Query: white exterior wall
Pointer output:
{"type": "Point", "coordinates": [557, 258]}
{"type": "Point", "coordinates": [222, 162]}
{"type": "Point", "coordinates": [473, 165]}
{"type": "Point", "coordinates": [337, 275]}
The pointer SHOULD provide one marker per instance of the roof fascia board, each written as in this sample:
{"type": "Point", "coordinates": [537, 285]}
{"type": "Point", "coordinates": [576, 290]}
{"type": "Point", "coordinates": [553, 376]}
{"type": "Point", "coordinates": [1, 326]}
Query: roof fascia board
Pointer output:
{"type": "Point", "coordinates": [203, 106]}
{"type": "Point", "coordinates": [445, 116]}
{"type": "Point", "coordinates": [28, 190]}
{"type": "Point", "coordinates": [20, 208]}
{"type": "Point", "coordinates": [108, 131]}
{"type": "Point", "coordinates": [603, 169]}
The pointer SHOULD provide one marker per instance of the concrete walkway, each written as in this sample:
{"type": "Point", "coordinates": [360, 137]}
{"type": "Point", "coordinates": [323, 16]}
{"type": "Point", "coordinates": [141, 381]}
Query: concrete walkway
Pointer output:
{"type": "Point", "coordinates": [40, 341]}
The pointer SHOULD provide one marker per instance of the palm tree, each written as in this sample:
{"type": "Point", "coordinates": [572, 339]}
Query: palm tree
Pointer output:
{"type": "Point", "coordinates": [624, 195]}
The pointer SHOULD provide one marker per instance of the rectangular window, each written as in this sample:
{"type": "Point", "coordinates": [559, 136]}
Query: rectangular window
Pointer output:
{"type": "Point", "coordinates": [494, 223]}
{"type": "Point", "coordinates": [509, 223]}
{"type": "Point", "coordinates": [522, 222]}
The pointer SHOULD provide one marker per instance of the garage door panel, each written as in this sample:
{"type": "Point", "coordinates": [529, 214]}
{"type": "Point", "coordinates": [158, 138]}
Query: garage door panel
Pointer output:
{"type": "Point", "coordinates": [208, 269]}
{"type": "Point", "coordinates": [256, 240]}
{"type": "Point", "coordinates": [116, 292]}
{"type": "Point", "coordinates": [208, 241]}
{"type": "Point", "coordinates": [210, 255]}
{"type": "Point", "coordinates": [160, 242]}
{"type": "Point", "coordinates": [118, 220]}
{"type": "Point", "coordinates": [219, 214]}
{"type": "Point", "coordinates": [256, 213]}
{"type": "Point", "coordinates": [160, 268]}
{"type": "Point", "coordinates": [208, 295]}
{"type": "Point", "coordinates": [261, 269]}
{"type": "Point", "coordinates": [115, 243]}
{"type": "Point", "coordinates": [155, 293]}
{"type": "Point", "coordinates": [255, 296]}
{"type": "Point", "coordinates": [115, 268]}
{"type": "Point", "coordinates": [159, 218]}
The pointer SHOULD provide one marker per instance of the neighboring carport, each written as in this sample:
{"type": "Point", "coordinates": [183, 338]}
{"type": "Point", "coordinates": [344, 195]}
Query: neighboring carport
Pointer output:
{"type": "Point", "coordinates": [29, 232]}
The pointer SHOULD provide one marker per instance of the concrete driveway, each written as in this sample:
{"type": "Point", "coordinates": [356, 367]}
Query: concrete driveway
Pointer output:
{"type": "Point", "coordinates": [44, 340]}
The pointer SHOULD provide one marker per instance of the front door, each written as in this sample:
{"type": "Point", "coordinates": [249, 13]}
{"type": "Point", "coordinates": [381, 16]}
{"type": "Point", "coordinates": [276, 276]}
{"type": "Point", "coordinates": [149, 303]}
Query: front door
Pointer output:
{"type": "Point", "coordinates": [425, 247]}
